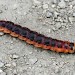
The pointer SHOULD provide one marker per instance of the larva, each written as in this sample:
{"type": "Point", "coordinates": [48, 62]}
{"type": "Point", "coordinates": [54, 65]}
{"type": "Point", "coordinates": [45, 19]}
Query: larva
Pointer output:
{"type": "Point", "coordinates": [36, 39]}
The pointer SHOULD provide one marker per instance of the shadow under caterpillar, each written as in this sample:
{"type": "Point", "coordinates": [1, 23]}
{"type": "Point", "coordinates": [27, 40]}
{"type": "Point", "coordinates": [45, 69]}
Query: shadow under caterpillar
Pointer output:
{"type": "Point", "coordinates": [36, 39]}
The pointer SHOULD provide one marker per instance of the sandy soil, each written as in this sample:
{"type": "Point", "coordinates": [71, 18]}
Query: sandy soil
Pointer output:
{"type": "Point", "coordinates": [53, 18]}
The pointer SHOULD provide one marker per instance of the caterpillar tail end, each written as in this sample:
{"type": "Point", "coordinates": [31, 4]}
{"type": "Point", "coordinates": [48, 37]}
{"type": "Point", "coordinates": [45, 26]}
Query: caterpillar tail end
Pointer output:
{"type": "Point", "coordinates": [74, 48]}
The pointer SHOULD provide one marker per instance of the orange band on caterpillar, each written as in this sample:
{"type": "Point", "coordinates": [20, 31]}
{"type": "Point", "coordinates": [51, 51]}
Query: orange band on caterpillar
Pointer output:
{"type": "Point", "coordinates": [36, 39]}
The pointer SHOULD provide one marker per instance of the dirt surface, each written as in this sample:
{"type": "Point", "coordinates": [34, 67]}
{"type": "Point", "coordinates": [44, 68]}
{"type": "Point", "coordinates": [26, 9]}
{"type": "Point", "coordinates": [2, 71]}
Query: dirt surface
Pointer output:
{"type": "Point", "coordinates": [53, 18]}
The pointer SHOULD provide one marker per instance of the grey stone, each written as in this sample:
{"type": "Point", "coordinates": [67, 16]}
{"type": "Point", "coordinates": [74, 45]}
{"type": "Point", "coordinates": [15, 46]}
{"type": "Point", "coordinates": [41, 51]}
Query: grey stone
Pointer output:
{"type": "Point", "coordinates": [1, 64]}
{"type": "Point", "coordinates": [15, 56]}
{"type": "Point", "coordinates": [49, 14]}
{"type": "Point", "coordinates": [62, 4]}
{"type": "Point", "coordinates": [33, 60]}
{"type": "Point", "coordinates": [45, 6]}
{"type": "Point", "coordinates": [1, 33]}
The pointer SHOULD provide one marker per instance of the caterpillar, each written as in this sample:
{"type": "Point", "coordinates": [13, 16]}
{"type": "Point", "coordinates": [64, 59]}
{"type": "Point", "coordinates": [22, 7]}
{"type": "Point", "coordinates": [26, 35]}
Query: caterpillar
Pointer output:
{"type": "Point", "coordinates": [36, 39]}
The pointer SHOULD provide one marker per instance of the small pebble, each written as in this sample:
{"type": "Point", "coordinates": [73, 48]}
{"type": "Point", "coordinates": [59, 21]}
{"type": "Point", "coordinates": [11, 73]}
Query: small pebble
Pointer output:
{"type": "Point", "coordinates": [56, 14]}
{"type": "Point", "coordinates": [1, 64]}
{"type": "Point", "coordinates": [15, 6]}
{"type": "Point", "coordinates": [62, 4]}
{"type": "Point", "coordinates": [8, 65]}
{"type": "Point", "coordinates": [48, 30]}
{"type": "Point", "coordinates": [71, 7]}
{"type": "Point", "coordinates": [59, 19]}
{"type": "Point", "coordinates": [30, 52]}
{"type": "Point", "coordinates": [14, 39]}
{"type": "Point", "coordinates": [73, 14]}
{"type": "Point", "coordinates": [1, 71]}
{"type": "Point", "coordinates": [71, 19]}
{"type": "Point", "coordinates": [15, 72]}
{"type": "Point", "coordinates": [1, 33]}
{"type": "Point", "coordinates": [39, 65]}
{"type": "Point", "coordinates": [45, 6]}
{"type": "Point", "coordinates": [57, 69]}
{"type": "Point", "coordinates": [58, 25]}
{"type": "Point", "coordinates": [33, 60]}
{"type": "Point", "coordinates": [15, 56]}
{"type": "Point", "coordinates": [14, 64]}
{"type": "Point", "coordinates": [54, 29]}
{"type": "Point", "coordinates": [53, 5]}
{"type": "Point", "coordinates": [48, 14]}
{"type": "Point", "coordinates": [62, 56]}
{"type": "Point", "coordinates": [36, 1]}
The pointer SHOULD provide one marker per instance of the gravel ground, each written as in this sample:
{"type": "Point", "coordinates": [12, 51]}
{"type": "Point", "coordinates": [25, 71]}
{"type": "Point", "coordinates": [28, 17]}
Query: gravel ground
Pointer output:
{"type": "Point", "coordinates": [53, 18]}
